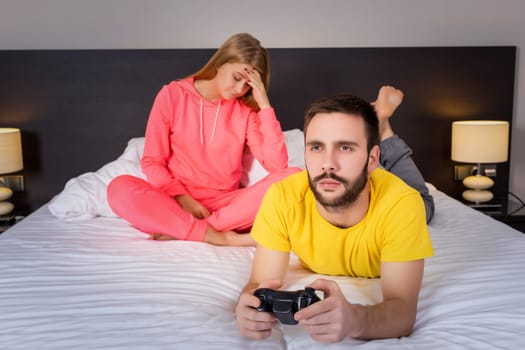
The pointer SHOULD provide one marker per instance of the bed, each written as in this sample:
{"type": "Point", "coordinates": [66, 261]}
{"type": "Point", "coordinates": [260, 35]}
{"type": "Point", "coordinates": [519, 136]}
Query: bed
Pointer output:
{"type": "Point", "coordinates": [88, 280]}
{"type": "Point", "coordinates": [73, 275]}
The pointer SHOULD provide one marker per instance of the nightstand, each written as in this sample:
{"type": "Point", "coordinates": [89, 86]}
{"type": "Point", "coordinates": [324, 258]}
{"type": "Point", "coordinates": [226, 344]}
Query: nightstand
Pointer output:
{"type": "Point", "coordinates": [8, 221]}
{"type": "Point", "coordinates": [515, 216]}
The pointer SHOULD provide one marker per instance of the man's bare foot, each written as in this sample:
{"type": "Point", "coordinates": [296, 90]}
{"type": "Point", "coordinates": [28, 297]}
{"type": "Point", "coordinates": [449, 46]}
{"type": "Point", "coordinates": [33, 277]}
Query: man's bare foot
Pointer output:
{"type": "Point", "coordinates": [388, 99]}
{"type": "Point", "coordinates": [229, 238]}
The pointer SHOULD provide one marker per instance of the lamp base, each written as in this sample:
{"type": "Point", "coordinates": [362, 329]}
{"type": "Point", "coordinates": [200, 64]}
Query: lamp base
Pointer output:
{"type": "Point", "coordinates": [5, 192]}
{"type": "Point", "coordinates": [6, 208]}
{"type": "Point", "coordinates": [478, 196]}
{"type": "Point", "coordinates": [477, 188]}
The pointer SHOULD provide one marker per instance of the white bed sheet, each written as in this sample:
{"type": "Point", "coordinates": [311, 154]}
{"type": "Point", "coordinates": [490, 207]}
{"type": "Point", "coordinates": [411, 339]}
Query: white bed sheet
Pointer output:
{"type": "Point", "coordinates": [100, 284]}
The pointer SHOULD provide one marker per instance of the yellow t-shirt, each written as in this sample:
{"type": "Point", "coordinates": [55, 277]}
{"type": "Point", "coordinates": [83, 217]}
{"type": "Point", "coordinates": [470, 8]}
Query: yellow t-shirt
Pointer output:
{"type": "Point", "coordinates": [393, 230]}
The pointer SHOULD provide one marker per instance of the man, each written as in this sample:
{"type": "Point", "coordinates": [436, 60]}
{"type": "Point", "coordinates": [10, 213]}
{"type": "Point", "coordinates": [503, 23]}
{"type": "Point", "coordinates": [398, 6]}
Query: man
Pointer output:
{"type": "Point", "coordinates": [342, 216]}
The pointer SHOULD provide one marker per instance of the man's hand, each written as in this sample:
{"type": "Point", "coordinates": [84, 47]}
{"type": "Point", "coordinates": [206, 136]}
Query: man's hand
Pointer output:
{"type": "Point", "coordinates": [252, 323]}
{"type": "Point", "coordinates": [333, 318]}
{"type": "Point", "coordinates": [192, 206]}
{"type": "Point", "coordinates": [268, 271]}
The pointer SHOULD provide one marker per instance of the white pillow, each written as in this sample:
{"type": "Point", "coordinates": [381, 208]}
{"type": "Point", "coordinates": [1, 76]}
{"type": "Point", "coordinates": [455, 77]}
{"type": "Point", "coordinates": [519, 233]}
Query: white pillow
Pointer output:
{"type": "Point", "coordinates": [253, 171]}
{"type": "Point", "coordinates": [134, 150]}
{"type": "Point", "coordinates": [84, 197]}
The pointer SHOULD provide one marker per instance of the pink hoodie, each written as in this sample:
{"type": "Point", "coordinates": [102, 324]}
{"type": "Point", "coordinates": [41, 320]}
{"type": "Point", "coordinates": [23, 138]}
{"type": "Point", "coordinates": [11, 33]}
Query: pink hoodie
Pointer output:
{"type": "Point", "coordinates": [194, 146]}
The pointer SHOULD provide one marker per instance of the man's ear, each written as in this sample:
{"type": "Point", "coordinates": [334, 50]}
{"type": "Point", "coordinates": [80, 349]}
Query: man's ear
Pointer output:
{"type": "Point", "coordinates": [373, 158]}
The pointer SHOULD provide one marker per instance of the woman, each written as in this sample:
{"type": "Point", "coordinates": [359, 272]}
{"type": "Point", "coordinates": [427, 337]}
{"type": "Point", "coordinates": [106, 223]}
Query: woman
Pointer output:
{"type": "Point", "coordinates": [196, 133]}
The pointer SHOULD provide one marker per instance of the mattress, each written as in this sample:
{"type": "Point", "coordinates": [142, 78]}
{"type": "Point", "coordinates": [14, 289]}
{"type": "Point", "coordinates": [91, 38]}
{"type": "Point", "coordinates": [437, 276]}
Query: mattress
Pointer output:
{"type": "Point", "coordinates": [100, 284]}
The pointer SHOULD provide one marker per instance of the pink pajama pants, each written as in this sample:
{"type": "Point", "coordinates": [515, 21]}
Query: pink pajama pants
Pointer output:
{"type": "Point", "coordinates": [153, 211]}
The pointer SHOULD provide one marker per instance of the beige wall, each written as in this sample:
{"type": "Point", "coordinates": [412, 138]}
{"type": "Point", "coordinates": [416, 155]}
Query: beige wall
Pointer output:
{"type": "Point", "coordinates": [98, 24]}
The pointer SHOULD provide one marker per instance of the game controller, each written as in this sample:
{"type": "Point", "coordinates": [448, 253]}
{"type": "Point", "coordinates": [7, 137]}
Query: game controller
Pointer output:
{"type": "Point", "coordinates": [284, 304]}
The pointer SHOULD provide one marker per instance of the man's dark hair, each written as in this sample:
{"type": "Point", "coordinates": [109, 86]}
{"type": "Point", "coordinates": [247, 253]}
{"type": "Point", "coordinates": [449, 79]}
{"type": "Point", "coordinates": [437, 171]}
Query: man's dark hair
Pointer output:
{"type": "Point", "coordinates": [347, 104]}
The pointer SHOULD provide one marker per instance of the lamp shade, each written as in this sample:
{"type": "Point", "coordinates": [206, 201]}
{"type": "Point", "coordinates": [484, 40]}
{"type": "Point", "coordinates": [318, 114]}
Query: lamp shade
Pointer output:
{"type": "Point", "coordinates": [10, 150]}
{"type": "Point", "coordinates": [480, 141]}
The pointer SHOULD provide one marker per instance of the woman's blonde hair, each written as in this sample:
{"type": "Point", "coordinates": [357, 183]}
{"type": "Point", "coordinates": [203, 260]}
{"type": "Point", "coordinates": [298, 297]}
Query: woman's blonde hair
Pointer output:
{"type": "Point", "coordinates": [239, 48]}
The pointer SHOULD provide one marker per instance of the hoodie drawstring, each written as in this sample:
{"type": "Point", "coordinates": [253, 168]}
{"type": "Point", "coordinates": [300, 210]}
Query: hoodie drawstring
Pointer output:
{"type": "Point", "coordinates": [214, 123]}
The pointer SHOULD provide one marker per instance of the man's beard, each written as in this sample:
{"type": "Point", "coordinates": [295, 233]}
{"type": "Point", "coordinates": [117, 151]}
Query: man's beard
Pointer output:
{"type": "Point", "coordinates": [352, 190]}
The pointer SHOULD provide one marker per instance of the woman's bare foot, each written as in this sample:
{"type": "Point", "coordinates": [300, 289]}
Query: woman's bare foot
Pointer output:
{"type": "Point", "coordinates": [239, 239]}
{"type": "Point", "coordinates": [160, 237]}
{"type": "Point", "coordinates": [228, 238]}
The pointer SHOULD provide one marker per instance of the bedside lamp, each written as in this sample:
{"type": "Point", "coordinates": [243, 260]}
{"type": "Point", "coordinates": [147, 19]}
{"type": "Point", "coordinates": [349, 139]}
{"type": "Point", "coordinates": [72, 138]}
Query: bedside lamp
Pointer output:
{"type": "Point", "coordinates": [479, 142]}
{"type": "Point", "coordinates": [10, 161]}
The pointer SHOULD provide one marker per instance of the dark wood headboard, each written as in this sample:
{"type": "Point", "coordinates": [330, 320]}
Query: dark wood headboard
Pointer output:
{"type": "Point", "coordinates": [78, 108]}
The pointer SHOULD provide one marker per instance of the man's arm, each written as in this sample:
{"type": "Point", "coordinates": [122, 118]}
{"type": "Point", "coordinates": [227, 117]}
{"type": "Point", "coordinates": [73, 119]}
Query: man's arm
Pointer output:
{"type": "Point", "coordinates": [396, 315]}
{"type": "Point", "coordinates": [267, 265]}
{"type": "Point", "coordinates": [268, 271]}
{"type": "Point", "coordinates": [334, 318]}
